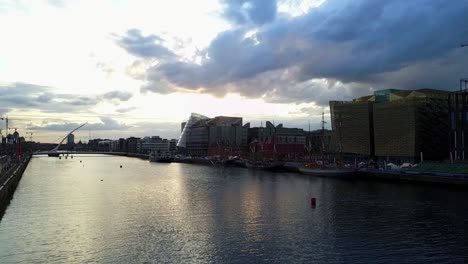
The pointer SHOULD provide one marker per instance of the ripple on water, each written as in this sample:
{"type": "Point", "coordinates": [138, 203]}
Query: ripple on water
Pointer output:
{"type": "Point", "coordinates": [178, 213]}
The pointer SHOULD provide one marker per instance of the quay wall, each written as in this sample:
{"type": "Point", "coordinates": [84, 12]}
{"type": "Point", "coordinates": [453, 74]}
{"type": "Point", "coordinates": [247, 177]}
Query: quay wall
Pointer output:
{"type": "Point", "coordinates": [408, 176]}
{"type": "Point", "coordinates": [9, 181]}
{"type": "Point", "coordinates": [128, 154]}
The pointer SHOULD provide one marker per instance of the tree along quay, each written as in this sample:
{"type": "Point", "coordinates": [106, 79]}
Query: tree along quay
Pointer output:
{"type": "Point", "coordinates": [9, 181]}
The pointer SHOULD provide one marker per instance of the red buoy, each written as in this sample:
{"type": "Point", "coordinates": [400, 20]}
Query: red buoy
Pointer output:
{"type": "Point", "coordinates": [313, 201]}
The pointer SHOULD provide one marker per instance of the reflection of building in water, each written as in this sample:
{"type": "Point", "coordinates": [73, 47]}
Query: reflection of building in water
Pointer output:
{"type": "Point", "coordinates": [398, 124]}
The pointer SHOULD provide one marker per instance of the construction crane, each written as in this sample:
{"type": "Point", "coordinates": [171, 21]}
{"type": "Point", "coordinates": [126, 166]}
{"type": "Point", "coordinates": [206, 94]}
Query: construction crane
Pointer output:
{"type": "Point", "coordinates": [6, 123]}
{"type": "Point", "coordinates": [7, 119]}
{"type": "Point", "coordinates": [30, 136]}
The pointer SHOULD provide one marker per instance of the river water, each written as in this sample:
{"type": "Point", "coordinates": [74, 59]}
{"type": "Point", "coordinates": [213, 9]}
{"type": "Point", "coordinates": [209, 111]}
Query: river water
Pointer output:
{"type": "Point", "coordinates": [67, 211]}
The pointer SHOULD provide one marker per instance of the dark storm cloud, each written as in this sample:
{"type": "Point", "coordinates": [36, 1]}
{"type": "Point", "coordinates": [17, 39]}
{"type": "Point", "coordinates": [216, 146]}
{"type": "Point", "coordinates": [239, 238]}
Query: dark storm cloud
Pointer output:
{"type": "Point", "coordinates": [144, 46]}
{"type": "Point", "coordinates": [353, 47]}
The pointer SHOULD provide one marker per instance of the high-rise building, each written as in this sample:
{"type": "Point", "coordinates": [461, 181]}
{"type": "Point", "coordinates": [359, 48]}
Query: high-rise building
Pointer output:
{"type": "Point", "coordinates": [458, 121]}
{"type": "Point", "coordinates": [70, 139]}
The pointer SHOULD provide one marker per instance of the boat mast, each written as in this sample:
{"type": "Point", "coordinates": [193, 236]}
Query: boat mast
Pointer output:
{"type": "Point", "coordinates": [323, 137]}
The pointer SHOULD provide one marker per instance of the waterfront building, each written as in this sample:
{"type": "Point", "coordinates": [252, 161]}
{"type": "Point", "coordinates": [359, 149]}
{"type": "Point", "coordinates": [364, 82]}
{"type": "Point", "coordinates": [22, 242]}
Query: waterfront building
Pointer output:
{"type": "Point", "coordinates": [226, 135]}
{"type": "Point", "coordinates": [162, 147]}
{"type": "Point", "coordinates": [148, 144]}
{"type": "Point", "coordinates": [458, 121]}
{"type": "Point", "coordinates": [412, 124]}
{"type": "Point", "coordinates": [131, 144]}
{"type": "Point", "coordinates": [114, 146]}
{"type": "Point", "coordinates": [271, 142]}
{"type": "Point", "coordinates": [105, 145]}
{"type": "Point", "coordinates": [319, 141]}
{"type": "Point", "coordinates": [352, 126]}
{"type": "Point", "coordinates": [94, 145]}
{"type": "Point", "coordinates": [121, 145]}
{"type": "Point", "coordinates": [173, 146]}
{"type": "Point", "coordinates": [221, 135]}
{"type": "Point", "coordinates": [182, 125]}
{"type": "Point", "coordinates": [402, 125]}
{"type": "Point", "coordinates": [154, 144]}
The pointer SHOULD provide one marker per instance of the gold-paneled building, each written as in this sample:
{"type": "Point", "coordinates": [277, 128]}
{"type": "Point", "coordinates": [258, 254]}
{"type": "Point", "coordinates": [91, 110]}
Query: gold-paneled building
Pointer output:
{"type": "Point", "coordinates": [398, 124]}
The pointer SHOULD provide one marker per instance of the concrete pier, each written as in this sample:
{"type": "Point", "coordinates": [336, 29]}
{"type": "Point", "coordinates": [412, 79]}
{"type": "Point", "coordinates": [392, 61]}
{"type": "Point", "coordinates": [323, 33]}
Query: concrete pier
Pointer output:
{"type": "Point", "coordinates": [9, 181]}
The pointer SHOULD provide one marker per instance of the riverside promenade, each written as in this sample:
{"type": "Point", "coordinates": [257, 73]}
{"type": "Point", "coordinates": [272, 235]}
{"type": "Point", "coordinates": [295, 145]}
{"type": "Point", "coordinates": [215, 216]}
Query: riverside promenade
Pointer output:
{"type": "Point", "coordinates": [9, 180]}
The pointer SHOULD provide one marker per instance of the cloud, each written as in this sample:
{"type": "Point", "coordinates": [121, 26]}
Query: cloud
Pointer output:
{"type": "Point", "coordinates": [144, 46]}
{"type": "Point", "coordinates": [119, 95]}
{"type": "Point", "coordinates": [169, 130]}
{"type": "Point", "coordinates": [36, 97]}
{"type": "Point", "coordinates": [257, 12]}
{"type": "Point", "coordinates": [105, 124]}
{"type": "Point", "coordinates": [357, 45]}
{"type": "Point", "coordinates": [125, 109]}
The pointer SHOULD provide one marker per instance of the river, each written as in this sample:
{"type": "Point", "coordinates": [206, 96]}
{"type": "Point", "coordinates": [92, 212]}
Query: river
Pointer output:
{"type": "Point", "coordinates": [89, 209]}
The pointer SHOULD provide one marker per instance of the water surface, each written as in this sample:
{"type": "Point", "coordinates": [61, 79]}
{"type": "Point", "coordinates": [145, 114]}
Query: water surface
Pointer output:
{"type": "Point", "coordinates": [67, 211]}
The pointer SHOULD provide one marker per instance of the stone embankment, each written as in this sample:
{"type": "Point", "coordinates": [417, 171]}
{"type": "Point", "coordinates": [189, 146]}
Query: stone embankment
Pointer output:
{"type": "Point", "coordinates": [9, 181]}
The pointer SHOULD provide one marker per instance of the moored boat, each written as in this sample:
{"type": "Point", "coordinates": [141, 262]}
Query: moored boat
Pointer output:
{"type": "Point", "coordinates": [161, 156]}
{"type": "Point", "coordinates": [329, 172]}
{"type": "Point", "coordinates": [265, 165]}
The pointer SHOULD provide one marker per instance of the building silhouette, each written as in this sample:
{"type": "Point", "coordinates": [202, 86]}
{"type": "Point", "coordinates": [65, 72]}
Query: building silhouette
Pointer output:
{"type": "Point", "coordinates": [70, 139]}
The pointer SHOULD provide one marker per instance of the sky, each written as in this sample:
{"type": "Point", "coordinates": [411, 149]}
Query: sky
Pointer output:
{"type": "Point", "coordinates": [139, 68]}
